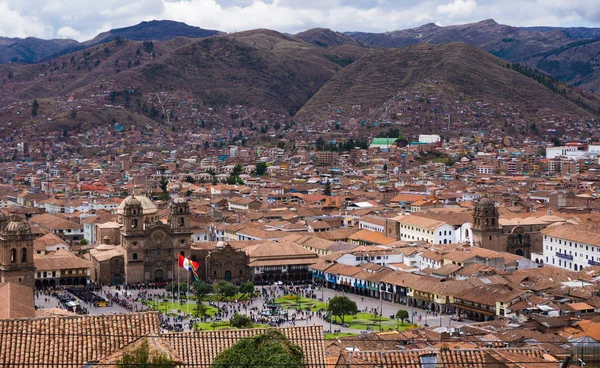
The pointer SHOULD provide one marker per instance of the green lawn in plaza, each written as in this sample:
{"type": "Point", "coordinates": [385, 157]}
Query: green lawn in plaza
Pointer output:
{"type": "Point", "coordinates": [331, 336]}
{"type": "Point", "coordinates": [365, 321]}
{"type": "Point", "coordinates": [294, 302]}
{"type": "Point", "coordinates": [187, 308]}
{"type": "Point", "coordinates": [220, 325]}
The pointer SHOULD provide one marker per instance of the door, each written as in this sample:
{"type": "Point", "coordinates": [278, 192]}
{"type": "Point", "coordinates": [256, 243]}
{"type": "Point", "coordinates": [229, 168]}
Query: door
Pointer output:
{"type": "Point", "coordinates": [158, 275]}
{"type": "Point", "coordinates": [227, 275]}
{"type": "Point", "coordinates": [117, 280]}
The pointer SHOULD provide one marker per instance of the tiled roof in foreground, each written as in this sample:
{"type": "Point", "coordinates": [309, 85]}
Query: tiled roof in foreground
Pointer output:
{"type": "Point", "coordinates": [56, 341]}
{"type": "Point", "coordinates": [201, 347]}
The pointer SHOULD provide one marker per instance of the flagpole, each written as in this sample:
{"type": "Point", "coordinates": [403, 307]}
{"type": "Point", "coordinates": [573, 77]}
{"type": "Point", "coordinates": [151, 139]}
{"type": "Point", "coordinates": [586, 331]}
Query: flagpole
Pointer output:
{"type": "Point", "coordinates": [187, 286]}
{"type": "Point", "coordinates": [178, 280]}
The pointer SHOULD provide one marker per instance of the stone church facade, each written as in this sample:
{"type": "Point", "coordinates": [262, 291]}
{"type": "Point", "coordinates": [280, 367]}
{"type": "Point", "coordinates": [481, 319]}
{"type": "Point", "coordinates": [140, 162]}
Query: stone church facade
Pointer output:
{"type": "Point", "coordinates": [16, 251]}
{"type": "Point", "coordinates": [517, 237]}
{"type": "Point", "coordinates": [149, 249]}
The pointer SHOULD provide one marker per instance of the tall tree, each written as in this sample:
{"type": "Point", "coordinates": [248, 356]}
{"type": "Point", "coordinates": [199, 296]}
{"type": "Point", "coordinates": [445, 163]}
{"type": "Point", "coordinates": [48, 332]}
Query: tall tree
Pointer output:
{"type": "Point", "coordinates": [201, 289]}
{"type": "Point", "coordinates": [271, 348]}
{"type": "Point", "coordinates": [226, 289]}
{"type": "Point", "coordinates": [164, 185]}
{"type": "Point", "coordinates": [142, 357]}
{"type": "Point", "coordinates": [246, 288]}
{"type": "Point", "coordinates": [261, 168]}
{"type": "Point", "coordinates": [342, 306]}
{"type": "Point", "coordinates": [34, 108]}
{"type": "Point", "coordinates": [402, 315]}
{"type": "Point", "coordinates": [327, 190]}
{"type": "Point", "coordinates": [240, 321]}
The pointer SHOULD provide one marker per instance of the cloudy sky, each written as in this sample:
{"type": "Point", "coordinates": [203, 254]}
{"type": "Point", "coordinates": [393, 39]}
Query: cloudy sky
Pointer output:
{"type": "Point", "coordinates": [83, 19]}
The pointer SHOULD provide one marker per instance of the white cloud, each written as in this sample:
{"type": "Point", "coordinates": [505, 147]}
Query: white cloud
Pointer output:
{"type": "Point", "coordinates": [457, 9]}
{"type": "Point", "coordinates": [83, 19]}
{"type": "Point", "coordinates": [14, 24]}
{"type": "Point", "coordinates": [68, 32]}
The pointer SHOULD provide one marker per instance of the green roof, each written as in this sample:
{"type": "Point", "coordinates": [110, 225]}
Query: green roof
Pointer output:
{"type": "Point", "coordinates": [383, 141]}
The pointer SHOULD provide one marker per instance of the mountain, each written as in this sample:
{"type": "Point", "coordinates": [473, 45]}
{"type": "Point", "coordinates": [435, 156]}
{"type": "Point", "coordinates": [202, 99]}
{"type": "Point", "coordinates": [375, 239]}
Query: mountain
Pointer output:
{"type": "Point", "coordinates": [324, 37]}
{"type": "Point", "coordinates": [155, 30]}
{"type": "Point", "coordinates": [566, 53]}
{"type": "Point", "coordinates": [275, 75]}
{"type": "Point", "coordinates": [33, 50]}
{"type": "Point", "coordinates": [454, 69]}
{"type": "Point", "coordinates": [259, 68]}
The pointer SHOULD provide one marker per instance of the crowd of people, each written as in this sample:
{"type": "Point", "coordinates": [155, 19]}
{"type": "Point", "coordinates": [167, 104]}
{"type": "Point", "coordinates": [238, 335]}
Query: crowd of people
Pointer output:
{"type": "Point", "coordinates": [87, 295]}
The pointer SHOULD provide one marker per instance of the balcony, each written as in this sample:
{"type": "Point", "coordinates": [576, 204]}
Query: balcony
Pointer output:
{"type": "Point", "coordinates": [473, 307]}
{"type": "Point", "coordinates": [593, 263]}
{"type": "Point", "coordinates": [564, 256]}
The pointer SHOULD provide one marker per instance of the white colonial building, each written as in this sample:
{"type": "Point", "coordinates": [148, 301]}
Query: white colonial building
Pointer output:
{"type": "Point", "coordinates": [417, 228]}
{"type": "Point", "coordinates": [572, 247]}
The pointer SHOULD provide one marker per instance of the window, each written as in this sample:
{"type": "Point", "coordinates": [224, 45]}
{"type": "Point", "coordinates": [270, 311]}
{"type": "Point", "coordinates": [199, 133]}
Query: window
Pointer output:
{"type": "Point", "coordinates": [24, 255]}
{"type": "Point", "coordinates": [134, 256]}
{"type": "Point", "coordinates": [158, 252]}
{"type": "Point", "coordinates": [13, 256]}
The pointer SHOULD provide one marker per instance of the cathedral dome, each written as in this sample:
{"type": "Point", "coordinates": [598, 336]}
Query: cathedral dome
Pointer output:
{"type": "Point", "coordinates": [485, 202]}
{"type": "Point", "coordinates": [17, 227]}
{"type": "Point", "coordinates": [148, 207]}
{"type": "Point", "coordinates": [179, 200]}
{"type": "Point", "coordinates": [105, 247]}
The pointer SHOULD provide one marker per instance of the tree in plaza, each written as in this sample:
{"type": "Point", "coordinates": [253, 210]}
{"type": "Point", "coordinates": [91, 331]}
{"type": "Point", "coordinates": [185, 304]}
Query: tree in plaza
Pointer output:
{"type": "Point", "coordinates": [142, 356]}
{"type": "Point", "coordinates": [271, 348]}
{"type": "Point", "coordinates": [342, 306]}
{"type": "Point", "coordinates": [246, 288]}
{"type": "Point", "coordinates": [175, 287]}
{"type": "Point", "coordinates": [240, 321]}
{"type": "Point", "coordinates": [200, 309]}
{"type": "Point", "coordinates": [201, 289]}
{"type": "Point", "coordinates": [226, 289]}
{"type": "Point", "coordinates": [402, 315]}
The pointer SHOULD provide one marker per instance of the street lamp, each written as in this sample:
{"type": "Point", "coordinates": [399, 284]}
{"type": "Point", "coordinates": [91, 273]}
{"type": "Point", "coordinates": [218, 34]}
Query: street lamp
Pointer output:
{"type": "Point", "coordinates": [380, 306]}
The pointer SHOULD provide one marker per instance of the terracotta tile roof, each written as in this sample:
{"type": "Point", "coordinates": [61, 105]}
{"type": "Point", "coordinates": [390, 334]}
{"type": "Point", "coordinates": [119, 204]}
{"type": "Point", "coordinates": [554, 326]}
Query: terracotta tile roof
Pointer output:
{"type": "Point", "coordinates": [343, 269]}
{"type": "Point", "coordinates": [16, 301]}
{"type": "Point", "coordinates": [489, 294]}
{"type": "Point", "coordinates": [372, 237]}
{"type": "Point", "coordinates": [477, 358]}
{"type": "Point", "coordinates": [157, 346]}
{"type": "Point", "coordinates": [270, 249]}
{"type": "Point", "coordinates": [585, 233]}
{"type": "Point", "coordinates": [49, 221]}
{"type": "Point", "coordinates": [48, 240]}
{"type": "Point", "coordinates": [337, 234]}
{"type": "Point", "coordinates": [59, 260]}
{"type": "Point", "coordinates": [58, 341]}
{"type": "Point", "coordinates": [201, 347]}
{"type": "Point", "coordinates": [418, 221]}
